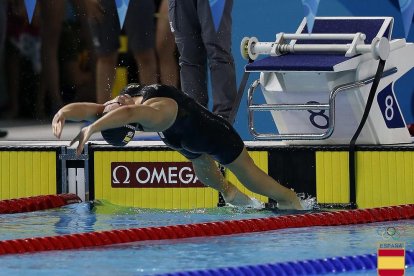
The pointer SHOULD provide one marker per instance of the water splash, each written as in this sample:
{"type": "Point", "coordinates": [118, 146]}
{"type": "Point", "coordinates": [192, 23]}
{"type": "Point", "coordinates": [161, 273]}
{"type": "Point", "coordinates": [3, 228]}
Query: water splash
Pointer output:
{"type": "Point", "coordinates": [308, 202]}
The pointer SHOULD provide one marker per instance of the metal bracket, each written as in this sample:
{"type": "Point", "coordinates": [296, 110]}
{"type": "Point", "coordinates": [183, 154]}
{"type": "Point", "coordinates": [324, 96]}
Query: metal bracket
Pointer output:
{"type": "Point", "coordinates": [285, 107]}
{"type": "Point", "coordinates": [68, 155]}
{"type": "Point", "coordinates": [358, 40]}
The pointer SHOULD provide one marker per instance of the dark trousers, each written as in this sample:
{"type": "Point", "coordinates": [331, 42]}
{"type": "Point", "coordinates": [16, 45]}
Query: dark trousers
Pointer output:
{"type": "Point", "coordinates": [3, 21]}
{"type": "Point", "coordinates": [201, 45]}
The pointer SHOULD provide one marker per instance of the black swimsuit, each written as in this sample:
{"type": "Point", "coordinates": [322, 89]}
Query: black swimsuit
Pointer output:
{"type": "Point", "coordinates": [195, 130]}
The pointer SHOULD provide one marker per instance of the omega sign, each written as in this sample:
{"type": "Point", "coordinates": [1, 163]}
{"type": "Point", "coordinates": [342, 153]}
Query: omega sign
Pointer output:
{"type": "Point", "coordinates": [153, 175]}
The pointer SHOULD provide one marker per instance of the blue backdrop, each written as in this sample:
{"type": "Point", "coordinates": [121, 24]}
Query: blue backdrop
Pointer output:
{"type": "Point", "coordinates": [265, 18]}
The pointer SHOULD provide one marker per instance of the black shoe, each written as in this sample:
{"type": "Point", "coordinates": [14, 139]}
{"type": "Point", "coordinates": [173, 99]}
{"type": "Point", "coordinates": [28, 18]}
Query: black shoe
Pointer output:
{"type": "Point", "coordinates": [3, 133]}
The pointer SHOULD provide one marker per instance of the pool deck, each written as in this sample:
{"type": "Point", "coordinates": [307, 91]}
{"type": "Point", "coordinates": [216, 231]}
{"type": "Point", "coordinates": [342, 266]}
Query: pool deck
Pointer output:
{"type": "Point", "coordinates": [27, 132]}
{"type": "Point", "coordinates": [35, 133]}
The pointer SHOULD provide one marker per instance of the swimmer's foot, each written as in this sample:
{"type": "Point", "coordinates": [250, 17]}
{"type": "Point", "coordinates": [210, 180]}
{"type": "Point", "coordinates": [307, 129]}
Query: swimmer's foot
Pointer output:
{"type": "Point", "coordinates": [239, 199]}
{"type": "Point", "coordinates": [290, 201]}
{"type": "Point", "coordinates": [289, 205]}
{"type": "Point", "coordinates": [299, 202]}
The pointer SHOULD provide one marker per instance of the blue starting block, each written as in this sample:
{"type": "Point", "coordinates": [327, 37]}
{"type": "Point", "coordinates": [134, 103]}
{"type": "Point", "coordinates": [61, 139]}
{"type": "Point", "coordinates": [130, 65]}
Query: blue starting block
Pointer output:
{"type": "Point", "coordinates": [316, 86]}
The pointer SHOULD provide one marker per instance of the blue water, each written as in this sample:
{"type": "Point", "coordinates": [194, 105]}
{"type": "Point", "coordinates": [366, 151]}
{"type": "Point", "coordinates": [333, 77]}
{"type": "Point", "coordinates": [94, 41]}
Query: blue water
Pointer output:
{"type": "Point", "coordinates": [154, 257]}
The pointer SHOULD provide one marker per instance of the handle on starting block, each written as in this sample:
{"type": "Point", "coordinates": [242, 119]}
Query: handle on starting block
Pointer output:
{"type": "Point", "coordinates": [250, 47]}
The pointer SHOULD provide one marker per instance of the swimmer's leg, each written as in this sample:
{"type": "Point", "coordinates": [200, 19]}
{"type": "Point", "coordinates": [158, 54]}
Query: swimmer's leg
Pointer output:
{"type": "Point", "coordinates": [209, 174]}
{"type": "Point", "coordinates": [259, 182]}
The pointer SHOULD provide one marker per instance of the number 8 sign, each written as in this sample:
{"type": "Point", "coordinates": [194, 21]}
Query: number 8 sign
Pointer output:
{"type": "Point", "coordinates": [389, 108]}
{"type": "Point", "coordinates": [315, 114]}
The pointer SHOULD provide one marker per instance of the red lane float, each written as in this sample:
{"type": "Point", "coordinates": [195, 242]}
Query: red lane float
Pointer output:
{"type": "Point", "coordinates": [82, 240]}
{"type": "Point", "coordinates": [36, 203]}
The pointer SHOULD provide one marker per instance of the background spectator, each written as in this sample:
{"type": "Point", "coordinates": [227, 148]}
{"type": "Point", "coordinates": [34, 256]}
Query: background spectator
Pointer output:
{"type": "Point", "coordinates": [52, 15]}
{"type": "Point", "coordinates": [166, 48]}
{"type": "Point", "coordinates": [23, 61]}
{"type": "Point", "coordinates": [3, 21]}
{"type": "Point", "coordinates": [105, 30]}
{"type": "Point", "coordinates": [201, 42]}
{"type": "Point", "coordinates": [39, 68]}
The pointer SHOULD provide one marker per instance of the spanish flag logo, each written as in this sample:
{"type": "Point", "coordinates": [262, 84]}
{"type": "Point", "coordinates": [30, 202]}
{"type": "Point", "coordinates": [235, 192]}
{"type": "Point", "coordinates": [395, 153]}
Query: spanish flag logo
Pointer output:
{"type": "Point", "coordinates": [391, 259]}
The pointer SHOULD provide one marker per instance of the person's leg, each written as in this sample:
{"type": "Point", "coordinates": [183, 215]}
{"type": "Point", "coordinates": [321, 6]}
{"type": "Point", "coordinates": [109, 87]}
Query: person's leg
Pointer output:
{"type": "Point", "coordinates": [209, 174]}
{"type": "Point", "coordinates": [13, 86]}
{"type": "Point", "coordinates": [82, 15]}
{"type": "Point", "coordinates": [147, 66]}
{"type": "Point", "coordinates": [193, 56]}
{"type": "Point", "coordinates": [217, 41]}
{"type": "Point", "coordinates": [259, 182]}
{"type": "Point", "coordinates": [165, 46]}
{"type": "Point", "coordinates": [105, 76]}
{"type": "Point", "coordinates": [3, 20]}
{"type": "Point", "coordinates": [140, 30]}
{"type": "Point", "coordinates": [105, 33]}
{"type": "Point", "coordinates": [3, 27]}
{"type": "Point", "coordinates": [52, 13]}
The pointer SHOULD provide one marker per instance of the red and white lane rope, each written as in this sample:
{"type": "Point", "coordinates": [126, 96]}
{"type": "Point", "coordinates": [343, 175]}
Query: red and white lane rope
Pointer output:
{"type": "Point", "coordinates": [36, 203]}
{"type": "Point", "coordinates": [90, 239]}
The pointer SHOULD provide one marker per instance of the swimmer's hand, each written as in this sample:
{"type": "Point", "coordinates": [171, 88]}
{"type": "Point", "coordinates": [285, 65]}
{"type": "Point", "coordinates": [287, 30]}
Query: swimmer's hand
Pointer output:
{"type": "Point", "coordinates": [82, 137]}
{"type": "Point", "coordinates": [58, 123]}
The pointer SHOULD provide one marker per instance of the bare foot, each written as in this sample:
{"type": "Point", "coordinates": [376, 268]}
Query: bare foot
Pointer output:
{"type": "Point", "coordinates": [289, 205]}
{"type": "Point", "coordinates": [292, 204]}
{"type": "Point", "coordinates": [237, 198]}
{"type": "Point", "coordinates": [299, 202]}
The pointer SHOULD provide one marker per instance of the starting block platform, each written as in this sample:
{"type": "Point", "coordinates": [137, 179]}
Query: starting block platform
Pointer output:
{"type": "Point", "coordinates": [316, 85]}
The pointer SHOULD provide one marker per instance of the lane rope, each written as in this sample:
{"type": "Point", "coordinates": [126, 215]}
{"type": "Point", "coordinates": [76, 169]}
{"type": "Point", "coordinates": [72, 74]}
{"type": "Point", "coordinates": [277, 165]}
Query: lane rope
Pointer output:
{"type": "Point", "coordinates": [345, 264]}
{"type": "Point", "coordinates": [208, 229]}
{"type": "Point", "coordinates": [36, 203]}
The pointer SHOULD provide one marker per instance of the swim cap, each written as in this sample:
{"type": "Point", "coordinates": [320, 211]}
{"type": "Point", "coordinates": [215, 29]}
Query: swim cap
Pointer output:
{"type": "Point", "coordinates": [119, 136]}
{"type": "Point", "coordinates": [132, 89]}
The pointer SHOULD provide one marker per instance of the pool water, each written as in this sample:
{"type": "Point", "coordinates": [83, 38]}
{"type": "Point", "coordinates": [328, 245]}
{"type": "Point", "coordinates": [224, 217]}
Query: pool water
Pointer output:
{"type": "Point", "coordinates": [157, 257]}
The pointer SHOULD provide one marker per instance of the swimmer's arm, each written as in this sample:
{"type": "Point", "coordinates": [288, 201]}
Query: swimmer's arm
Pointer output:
{"type": "Point", "coordinates": [75, 112]}
{"type": "Point", "coordinates": [81, 111]}
{"type": "Point", "coordinates": [142, 114]}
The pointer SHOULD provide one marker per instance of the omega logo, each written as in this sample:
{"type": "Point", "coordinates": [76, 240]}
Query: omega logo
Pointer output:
{"type": "Point", "coordinates": [153, 174]}
{"type": "Point", "coordinates": [115, 178]}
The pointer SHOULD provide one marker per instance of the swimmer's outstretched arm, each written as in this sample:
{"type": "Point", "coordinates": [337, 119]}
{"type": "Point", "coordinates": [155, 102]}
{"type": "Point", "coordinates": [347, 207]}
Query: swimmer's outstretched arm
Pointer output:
{"type": "Point", "coordinates": [142, 114]}
{"type": "Point", "coordinates": [75, 112]}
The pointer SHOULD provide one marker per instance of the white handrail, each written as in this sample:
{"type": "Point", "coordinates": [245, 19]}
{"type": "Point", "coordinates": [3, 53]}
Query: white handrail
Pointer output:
{"type": "Point", "coordinates": [251, 48]}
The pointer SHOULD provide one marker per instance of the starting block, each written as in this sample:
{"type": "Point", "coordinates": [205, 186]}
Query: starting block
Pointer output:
{"type": "Point", "coordinates": [316, 85]}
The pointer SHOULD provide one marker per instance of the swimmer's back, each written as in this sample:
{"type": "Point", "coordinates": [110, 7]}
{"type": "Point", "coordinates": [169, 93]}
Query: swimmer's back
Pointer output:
{"type": "Point", "coordinates": [157, 91]}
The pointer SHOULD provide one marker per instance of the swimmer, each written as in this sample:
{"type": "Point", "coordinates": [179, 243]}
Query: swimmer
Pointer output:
{"type": "Point", "coordinates": [185, 126]}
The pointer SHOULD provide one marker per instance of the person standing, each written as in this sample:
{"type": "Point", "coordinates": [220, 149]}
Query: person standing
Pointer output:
{"type": "Point", "coordinates": [52, 16]}
{"type": "Point", "coordinates": [202, 31]}
{"type": "Point", "coordinates": [165, 46]}
{"type": "Point", "coordinates": [3, 20]}
{"type": "Point", "coordinates": [105, 30]}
